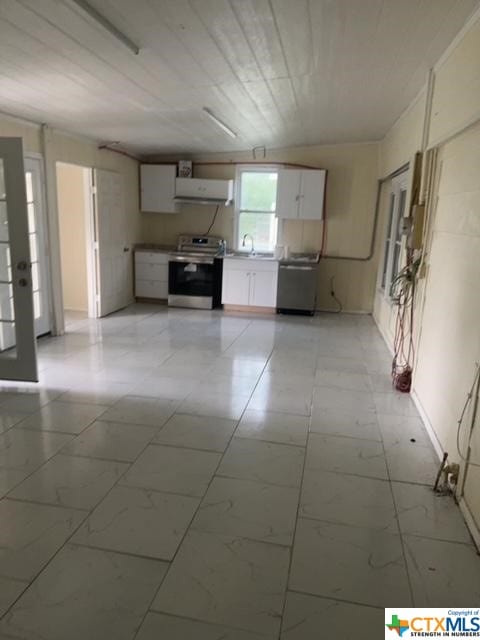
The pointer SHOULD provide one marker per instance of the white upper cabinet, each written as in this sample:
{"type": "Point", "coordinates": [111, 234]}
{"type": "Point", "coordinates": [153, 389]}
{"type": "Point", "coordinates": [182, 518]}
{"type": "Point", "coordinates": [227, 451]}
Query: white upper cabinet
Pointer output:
{"type": "Point", "coordinates": [300, 193]}
{"type": "Point", "coordinates": [157, 188]}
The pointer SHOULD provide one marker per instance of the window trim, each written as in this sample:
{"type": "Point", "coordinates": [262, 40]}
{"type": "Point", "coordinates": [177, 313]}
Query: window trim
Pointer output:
{"type": "Point", "coordinates": [398, 185]}
{"type": "Point", "coordinates": [247, 168]}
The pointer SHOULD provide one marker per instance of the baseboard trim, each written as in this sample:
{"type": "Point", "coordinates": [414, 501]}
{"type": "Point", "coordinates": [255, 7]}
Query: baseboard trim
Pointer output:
{"type": "Point", "coordinates": [361, 312]}
{"type": "Point", "coordinates": [238, 308]}
{"type": "Point", "coordinates": [471, 523]}
{"type": "Point", "coordinates": [384, 335]}
{"type": "Point", "coordinates": [428, 425]}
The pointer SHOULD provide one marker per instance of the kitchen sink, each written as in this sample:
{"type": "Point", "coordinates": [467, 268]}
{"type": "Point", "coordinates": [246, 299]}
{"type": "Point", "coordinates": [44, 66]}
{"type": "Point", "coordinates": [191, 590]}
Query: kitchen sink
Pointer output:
{"type": "Point", "coordinates": [255, 255]}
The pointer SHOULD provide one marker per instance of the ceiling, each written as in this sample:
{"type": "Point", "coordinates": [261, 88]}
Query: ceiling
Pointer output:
{"type": "Point", "coordinates": [278, 72]}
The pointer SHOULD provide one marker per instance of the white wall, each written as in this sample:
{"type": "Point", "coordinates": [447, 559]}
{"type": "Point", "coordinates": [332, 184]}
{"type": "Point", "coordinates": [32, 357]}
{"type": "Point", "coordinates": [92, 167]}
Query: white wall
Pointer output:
{"type": "Point", "coordinates": [58, 146]}
{"type": "Point", "coordinates": [456, 99]}
{"type": "Point", "coordinates": [448, 304]}
{"type": "Point", "coordinates": [404, 138]}
{"type": "Point", "coordinates": [351, 193]}
{"type": "Point", "coordinates": [397, 149]}
{"type": "Point", "coordinates": [72, 223]}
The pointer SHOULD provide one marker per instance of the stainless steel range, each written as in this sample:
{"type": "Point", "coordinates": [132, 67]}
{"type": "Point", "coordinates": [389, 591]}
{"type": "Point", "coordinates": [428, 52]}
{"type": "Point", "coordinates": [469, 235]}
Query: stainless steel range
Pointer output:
{"type": "Point", "coordinates": [195, 272]}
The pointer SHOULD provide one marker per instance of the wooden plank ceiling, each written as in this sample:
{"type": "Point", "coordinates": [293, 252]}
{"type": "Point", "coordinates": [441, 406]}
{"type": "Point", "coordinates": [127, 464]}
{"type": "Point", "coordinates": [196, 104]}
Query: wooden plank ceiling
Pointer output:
{"type": "Point", "coordinates": [278, 72]}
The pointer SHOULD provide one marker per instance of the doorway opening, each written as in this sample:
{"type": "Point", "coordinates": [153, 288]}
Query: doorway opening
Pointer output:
{"type": "Point", "coordinates": [77, 241]}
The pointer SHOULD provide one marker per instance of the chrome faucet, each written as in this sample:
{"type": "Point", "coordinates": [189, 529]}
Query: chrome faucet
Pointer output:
{"type": "Point", "coordinates": [247, 235]}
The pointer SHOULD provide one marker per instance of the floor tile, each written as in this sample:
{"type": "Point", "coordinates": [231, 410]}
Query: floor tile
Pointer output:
{"type": "Point", "coordinates": [138, 410]}
{"type": "Point", "coordinates": [111, 441]}
{"type": "Point", "coordinates": [173, 470]}
{"type": "Point", "coordinates": [237, 367]}
{"type": "Point", "coordinates": [343, 380]}
{"type": "Point", "coordinates": [412, 463]}
{"type": "Point", "coordinates": [343, 400]}
{"type": "Point", "coordinates": [397, 429]}
{"type": "Point", "coordinates": [349, 563]}
{"type": "Point", "coordinates": [286, 378]}
{"type": "Point", "coordinates": [138, 521]}
{"type": "Point", "coordinates": [263, 462]}
{"type": "Point", "coordinates": [30, 534]}
{"type": "Point", "coordinates": [440, 571]}
{"type": "Point", "coordinates": [424, 513]}
{"type": "Point", "coordinates": [70, 482]}
{"type": "Point", "coordinates": [345, 499]}
{"type": "Point", "coordinates": [7, 420]}
{"type": "Point", "coordinates": [346, 455]}
{"type": "Point", "coordinates": [221, 405]}
{"type": "Point", "coordinates": [197, 432]}
{"type": "Point", "coordinates": [337, 422]}
{"type": "Point", "coordinates": [158, 626]}
{"type": "Point", "coordinates": [226, 580]}
{"type": "Point", "coordinates": [169, 388]}
{"type": "Point", "coordinates": [305, 615]}
{"type": "Point", "coordinates": [396, 403]}
{"type": "Point", "coordinates": [104, 393]}
{"type": "Point", "coordinates": [221, 383]}
{"type": "Point", "coordinates": [273, 427]}
{"type": "Point", "coordinates": [21, 452]}
{"type": "Point", "coordinates": [68, 417]}
{"type": "Point", "coordinates": [28, 402]}
{"type": "Point", "coordinates": [281, 399]}
{"type": "Point", "coordinates": [86, 593]}
{"type": "Point", "coordinates": [346, 365]}
{"type": "Point", "coordinates": [10, 590]}
{"type": "Point", "coordinates": [249, 510]}
{"type": "Point", "coordinates": [381, 382]}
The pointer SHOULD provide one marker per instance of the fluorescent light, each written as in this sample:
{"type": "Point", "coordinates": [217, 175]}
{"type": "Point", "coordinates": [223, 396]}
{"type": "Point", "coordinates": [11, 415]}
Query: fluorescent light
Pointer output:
{"type": "Point", "coordinates": [107, 25]}
{"type": "Point", "coordinates": [219, 123]}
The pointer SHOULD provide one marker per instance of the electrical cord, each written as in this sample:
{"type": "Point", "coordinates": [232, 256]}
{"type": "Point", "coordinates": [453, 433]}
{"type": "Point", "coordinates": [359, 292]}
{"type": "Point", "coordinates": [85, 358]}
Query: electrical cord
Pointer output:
{"type": "Point", "coordinates": [402, 291]}
{"type": "Point", "coordinates": [213, 220]}
{"type": "Point", "coordinates": [462, 415]}
{"type": "Point", "coordinates": [332, 293]}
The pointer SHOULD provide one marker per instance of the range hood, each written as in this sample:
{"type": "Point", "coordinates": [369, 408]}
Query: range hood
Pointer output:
{"type": "Point", "coordinates": [201, 191]}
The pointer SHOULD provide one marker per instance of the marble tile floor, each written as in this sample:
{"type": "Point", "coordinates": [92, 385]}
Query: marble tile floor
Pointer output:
{"type": "Point", "coordinates": [191, 475]}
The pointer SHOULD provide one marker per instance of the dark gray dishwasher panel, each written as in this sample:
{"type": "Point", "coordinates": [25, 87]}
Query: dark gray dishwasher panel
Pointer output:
{"type": "Point", "coordinates": [297, 288]}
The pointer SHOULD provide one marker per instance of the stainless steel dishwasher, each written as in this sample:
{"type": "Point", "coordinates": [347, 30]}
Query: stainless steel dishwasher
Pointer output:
{"type": "Point", "coordinates": [297, 283]}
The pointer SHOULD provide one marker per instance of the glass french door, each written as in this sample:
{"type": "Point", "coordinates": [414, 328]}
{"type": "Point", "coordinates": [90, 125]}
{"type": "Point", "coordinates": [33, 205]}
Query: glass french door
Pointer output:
{"type": "Point", "coordinates": [17, 333]}
{"type": "Point", "coordinates": [37, 226]}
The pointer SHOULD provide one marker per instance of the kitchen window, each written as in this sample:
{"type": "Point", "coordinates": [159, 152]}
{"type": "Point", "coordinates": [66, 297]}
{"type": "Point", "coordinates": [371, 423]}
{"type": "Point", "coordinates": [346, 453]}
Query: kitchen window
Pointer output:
{"type": "Point", "coordinates": [255, 208]}
{"type": "Point", "coordinates": [393, 240]}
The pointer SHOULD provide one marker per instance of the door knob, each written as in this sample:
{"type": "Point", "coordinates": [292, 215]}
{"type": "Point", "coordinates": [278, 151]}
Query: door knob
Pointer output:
{"type": "Point", "coordinates": [22, 265]}
{"type": "Point", "coordinates": [23, 282]}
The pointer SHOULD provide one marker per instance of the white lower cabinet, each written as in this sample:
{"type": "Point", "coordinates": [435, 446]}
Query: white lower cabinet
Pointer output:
{"type": "Point", "coordinates": [263, 289]}
{"type": "Point", "coordinates": [151, 275]}
{"type": "Point", "coordinates": [250, 282]}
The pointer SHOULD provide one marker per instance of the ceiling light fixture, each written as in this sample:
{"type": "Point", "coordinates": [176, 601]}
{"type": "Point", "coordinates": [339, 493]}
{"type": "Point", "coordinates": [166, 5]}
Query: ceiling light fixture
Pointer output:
{"type": "Point", "coordinates": [219, 123]}
{"type": "Point", "coordinates": [107, 25]}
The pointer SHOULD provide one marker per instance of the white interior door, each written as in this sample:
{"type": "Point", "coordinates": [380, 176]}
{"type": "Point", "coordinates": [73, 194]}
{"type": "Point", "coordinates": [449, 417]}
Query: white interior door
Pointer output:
{"type": "Point", "coordinates": [17, 334]}
{"type": "Point", "coordinates": [113, 254]}
{"type": "Point", "coordinates": [37, 227]}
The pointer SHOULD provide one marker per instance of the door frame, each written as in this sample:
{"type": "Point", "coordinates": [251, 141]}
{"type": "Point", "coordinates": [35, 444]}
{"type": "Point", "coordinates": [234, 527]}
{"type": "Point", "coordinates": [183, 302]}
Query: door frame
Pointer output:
{"type": "Point", "coordinates": [45, 234]}
{"type": "Point", "coordinates": [90, 240]}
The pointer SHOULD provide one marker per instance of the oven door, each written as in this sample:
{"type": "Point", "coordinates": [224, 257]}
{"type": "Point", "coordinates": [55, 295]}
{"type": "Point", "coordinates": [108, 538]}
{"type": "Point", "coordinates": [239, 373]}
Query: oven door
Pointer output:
{"type": "Point", "coordinates": [190, 283]}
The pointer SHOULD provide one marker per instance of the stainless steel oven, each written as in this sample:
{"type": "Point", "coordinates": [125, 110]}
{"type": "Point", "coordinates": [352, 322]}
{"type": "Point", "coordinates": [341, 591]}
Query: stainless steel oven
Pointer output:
{"type": "Point", "coordinates": [195, 273]}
